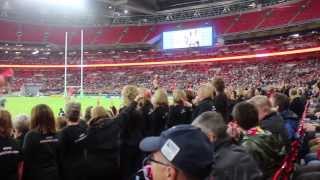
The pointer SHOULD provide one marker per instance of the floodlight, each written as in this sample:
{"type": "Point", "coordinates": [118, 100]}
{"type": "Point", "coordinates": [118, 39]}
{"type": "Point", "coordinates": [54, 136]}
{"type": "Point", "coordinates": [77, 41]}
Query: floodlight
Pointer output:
{"type": "Point", "coordinates": [35, 52]}
{"type": "Point", "coordinates": [74, 4]}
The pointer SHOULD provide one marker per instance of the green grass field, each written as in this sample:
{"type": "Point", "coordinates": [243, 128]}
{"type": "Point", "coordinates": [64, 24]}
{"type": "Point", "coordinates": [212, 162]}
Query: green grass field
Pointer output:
{"type": "Point", "coordinates": [23, 105]}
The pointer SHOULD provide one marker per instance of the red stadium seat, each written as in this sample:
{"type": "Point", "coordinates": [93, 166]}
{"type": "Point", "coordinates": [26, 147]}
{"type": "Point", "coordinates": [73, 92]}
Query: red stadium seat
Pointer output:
{"type": "Point", "coordinates": [135, 34]}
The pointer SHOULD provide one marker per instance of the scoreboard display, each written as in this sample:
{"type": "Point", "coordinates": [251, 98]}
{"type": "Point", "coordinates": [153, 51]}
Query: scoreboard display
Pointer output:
{"type": "Point", "coordinates": [187, 38]}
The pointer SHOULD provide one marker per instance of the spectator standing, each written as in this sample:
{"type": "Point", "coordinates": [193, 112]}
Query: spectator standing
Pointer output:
{"type": "Point", "coordinates": [131, 124]}
{"type": "Point", "coordinates": [180, 112]}
{"type": "Point", "coordinates": [221, 101]}
{"type": "Point", "coordinates": [41, 145]}
{"type": "Point", "coordinates": [204, 101]}
{"type": "Point", "coordinates": [72, 145]}
{"type": "Point", "coordinates": [297, 103]}
{"type": "Point", "coordinates": [10, 150]}
{"type": "Point", "coordinates": [103, 148]}
{"type": "Point", "coordinates": [159, 116]}
{"type": "Point", "coordinates": [146, 107]}
{"type": "Point", "coordinates": [281, 103]}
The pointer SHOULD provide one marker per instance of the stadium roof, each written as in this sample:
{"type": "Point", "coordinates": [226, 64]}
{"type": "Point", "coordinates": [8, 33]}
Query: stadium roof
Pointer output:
{"type": "Point", "coordinates": [86, 12]}
{"type": "Point", "coordinates": [154, 6]}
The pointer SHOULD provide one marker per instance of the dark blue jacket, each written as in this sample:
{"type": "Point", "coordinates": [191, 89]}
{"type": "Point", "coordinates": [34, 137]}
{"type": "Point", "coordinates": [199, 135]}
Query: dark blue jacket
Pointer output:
{"type": "Point", "coordinates": [291, 122]}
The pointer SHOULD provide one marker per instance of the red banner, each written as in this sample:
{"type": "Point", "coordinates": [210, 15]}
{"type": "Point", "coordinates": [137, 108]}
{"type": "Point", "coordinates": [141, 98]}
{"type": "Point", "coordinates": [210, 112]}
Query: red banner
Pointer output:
{"type": "Point", "coordinates": [7, 72]}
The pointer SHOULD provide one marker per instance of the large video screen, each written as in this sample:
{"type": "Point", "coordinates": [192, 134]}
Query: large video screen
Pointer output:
{"type": "Point", "coordinates": [198, 37]}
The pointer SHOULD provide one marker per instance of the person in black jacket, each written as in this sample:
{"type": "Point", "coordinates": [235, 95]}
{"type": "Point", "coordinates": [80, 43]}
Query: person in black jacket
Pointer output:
{"type": "Point", "coordinates": [41, 145]}
{"type": "Point", "coordinates": [10, 151]}
{"type": "Point", "coordinates": [132, 124]}
{"type": "Point", "coordinates": [297, 102]}
{"type": "Point", "coordinates": [160, 113]}
{"type": "Point", "coordinates": [220, 100]}
{"type": "Point", "coordinates": [146, 107]}
{"type": "Point", "coordinates": [179, 113]}
{"type": "Point", "coordinates": [231, 161]}
{"type": "Point", "coordinates": [72, 144]}
{"type": "Point", "coordinates": [269, 119]}
{"type": "Point", "coordinates": [204, 101]}
{"type": "Point", "coordinates": [103, 148]}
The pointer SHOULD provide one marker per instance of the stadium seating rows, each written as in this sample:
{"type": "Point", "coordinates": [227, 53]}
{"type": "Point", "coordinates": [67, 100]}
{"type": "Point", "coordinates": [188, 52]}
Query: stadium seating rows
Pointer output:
{"type": "Point", "coordinates": [297, 70]}
{"type": "Point", "coordinates": [282, 15]}
{"type": "Point", "coordinates": [275, 44]}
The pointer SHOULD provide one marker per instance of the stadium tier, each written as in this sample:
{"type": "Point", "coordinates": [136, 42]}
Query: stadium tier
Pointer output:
{"type": "Point", "coordinates": [276, 16]}
{"type": "Point", "coordinates": [246, 47]}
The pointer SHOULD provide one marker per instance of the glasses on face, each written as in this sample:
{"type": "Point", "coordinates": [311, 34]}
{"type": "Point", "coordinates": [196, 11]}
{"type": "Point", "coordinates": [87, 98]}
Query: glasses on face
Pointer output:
{"type": "Point", "coordinates": [150, 160]}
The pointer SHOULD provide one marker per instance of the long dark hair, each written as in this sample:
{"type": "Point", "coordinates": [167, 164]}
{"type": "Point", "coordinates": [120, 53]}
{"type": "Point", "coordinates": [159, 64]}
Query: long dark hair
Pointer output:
{"type": "Point", "coordinates": [5, 123]}
{"type": "Point", "coordinates": [42, 119]}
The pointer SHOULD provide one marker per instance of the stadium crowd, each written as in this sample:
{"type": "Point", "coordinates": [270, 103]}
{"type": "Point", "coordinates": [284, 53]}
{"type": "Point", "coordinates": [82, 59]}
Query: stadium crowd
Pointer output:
{"type": "Point", "coordinates": [214, 134]}
{"type": "Point", "coordinates": [243, 47]}
{"type": "Point", "coordinates": [238, 76]}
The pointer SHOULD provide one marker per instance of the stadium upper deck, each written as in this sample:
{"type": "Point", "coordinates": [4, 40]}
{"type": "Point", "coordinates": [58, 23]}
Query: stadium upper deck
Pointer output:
{"type": "Point", "coordinates": [281, 15]}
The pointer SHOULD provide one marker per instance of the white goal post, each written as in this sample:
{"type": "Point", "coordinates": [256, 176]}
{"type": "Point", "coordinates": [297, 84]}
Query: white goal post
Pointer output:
{"type": "Point", "coordinates": [66, 90]}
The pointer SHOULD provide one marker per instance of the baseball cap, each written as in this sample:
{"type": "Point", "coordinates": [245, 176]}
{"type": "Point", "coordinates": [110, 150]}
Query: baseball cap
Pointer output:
{"type": "Point", "coordinates": [184, 146]}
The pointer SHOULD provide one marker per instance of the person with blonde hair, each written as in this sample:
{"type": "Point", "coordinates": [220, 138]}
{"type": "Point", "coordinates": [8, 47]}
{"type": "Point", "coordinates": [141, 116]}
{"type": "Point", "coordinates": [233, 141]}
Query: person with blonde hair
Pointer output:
{"type": "Point", "coordinates": [99, 112]}
{"type": "Point", "coordinates": [129, 93]}
{"type": "Point", "coordinates": [160, 113]}
{"type": "Point", "coordinates": [10, 151]}
{"type": "Point", "coordinates": [103, 145]}
{"type": "Point", "coordinates": [41, 144]}
{"type": "Point", "coordinates": [132, 125]}
{"type": "Point", "coordinates": [146, 108]}
{"type": "Point", "coordinates": [180, 112]}
{"type": "Point", "coordinates": [204, 100]}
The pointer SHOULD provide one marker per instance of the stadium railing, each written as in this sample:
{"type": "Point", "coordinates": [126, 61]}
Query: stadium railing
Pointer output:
{"type": "Point", "coordinates": [288, 165]}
